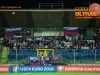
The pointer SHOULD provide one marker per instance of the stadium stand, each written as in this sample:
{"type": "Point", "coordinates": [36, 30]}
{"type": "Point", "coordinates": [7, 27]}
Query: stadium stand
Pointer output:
{"type": "Point", "coordinates": [75, 51]}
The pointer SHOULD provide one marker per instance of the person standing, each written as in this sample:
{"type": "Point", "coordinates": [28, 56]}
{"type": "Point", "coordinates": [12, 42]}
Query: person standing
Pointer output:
{"type": "Point", "coordinates": [42, 58]}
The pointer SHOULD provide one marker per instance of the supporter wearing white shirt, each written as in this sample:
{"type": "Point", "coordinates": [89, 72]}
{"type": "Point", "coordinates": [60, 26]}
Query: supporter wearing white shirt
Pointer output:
{"type": "Point", "coordinates": [40, 38]}
{"type": "Point", "coordinates": [1, 39]}
{"type": "Point", "coordinates": [68, 45]}
{"type": "Point", "coordinates": [40, 45]}
{"type": "Point", "coordinates": [29, 39]}
{"type": "Point", "coordinates": [37, 38]}
{"type": "Point", "coordinates": [23, 42]}
{"type": "Point", "coordinates": [82, 47]}
{"type": "Point", "coordinates": [87, 47]}
{"type": "Point", "coordinates": [76, 37]}
{"type": "Point", "coordinates": [15, 44]}
{"type": "Point", "coordinates": [70, 39]}
{"type": "Point", "coordinates": [43, 39]}
{"type": "Point", "coordinates": [18, 43]}
{"type": "Point", "coordinates": [46, 46]}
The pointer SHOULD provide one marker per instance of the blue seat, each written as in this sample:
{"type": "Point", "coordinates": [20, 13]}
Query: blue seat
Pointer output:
{"type": "Point", "coordinates": [81, 54]}
{"type": "Point", "coordinates": [98, 53]}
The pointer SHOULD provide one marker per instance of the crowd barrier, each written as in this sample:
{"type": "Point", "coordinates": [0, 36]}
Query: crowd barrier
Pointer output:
{"type": "Point", "coordinates": [59, 68]}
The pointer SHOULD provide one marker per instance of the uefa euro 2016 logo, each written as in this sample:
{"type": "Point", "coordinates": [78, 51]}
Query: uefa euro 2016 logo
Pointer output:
{"type": "Point", "coordinates": [60, 68]}
{"type": "Point", "coordinates": [15, 69]}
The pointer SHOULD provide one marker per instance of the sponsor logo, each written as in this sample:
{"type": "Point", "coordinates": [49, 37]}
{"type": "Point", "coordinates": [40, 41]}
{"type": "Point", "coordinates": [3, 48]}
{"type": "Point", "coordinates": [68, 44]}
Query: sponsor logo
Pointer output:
{"type": "Point", "coordinates": [4, 68]}
{"type": "Point", "coordinates": [60, 68]}
{"type": "Point", "coordinates": [15, 69]}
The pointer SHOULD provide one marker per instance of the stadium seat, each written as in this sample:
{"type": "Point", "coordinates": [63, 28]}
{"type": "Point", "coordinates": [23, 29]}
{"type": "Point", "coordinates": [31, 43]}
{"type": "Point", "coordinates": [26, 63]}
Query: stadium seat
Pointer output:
{"type": "Point", "coordinates": [21, 54]}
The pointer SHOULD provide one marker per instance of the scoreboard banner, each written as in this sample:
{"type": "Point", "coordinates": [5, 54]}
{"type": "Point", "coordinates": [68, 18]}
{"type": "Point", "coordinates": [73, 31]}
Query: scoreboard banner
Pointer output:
{"type": "Point", "coordinates": [33, 69]}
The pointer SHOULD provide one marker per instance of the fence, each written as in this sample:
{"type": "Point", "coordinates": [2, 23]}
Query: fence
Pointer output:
{"type": "Point", "coordinates": [80, 56]}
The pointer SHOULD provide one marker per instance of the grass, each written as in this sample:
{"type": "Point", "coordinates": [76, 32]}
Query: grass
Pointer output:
{"type": "Point", "coordinates": [49, 73]}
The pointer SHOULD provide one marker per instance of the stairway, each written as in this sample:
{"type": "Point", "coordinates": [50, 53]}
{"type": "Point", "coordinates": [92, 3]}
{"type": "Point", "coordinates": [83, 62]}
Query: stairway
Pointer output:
{"type": "Point", "coordinates": [4, 55]}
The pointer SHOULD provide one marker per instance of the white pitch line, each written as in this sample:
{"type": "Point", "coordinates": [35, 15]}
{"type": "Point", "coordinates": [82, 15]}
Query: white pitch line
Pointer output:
{"type": "Point", "coordinates": [27, 73]}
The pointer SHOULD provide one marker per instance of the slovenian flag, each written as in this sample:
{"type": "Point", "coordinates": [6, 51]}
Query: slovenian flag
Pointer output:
{"type": "Point", "coordinates": [70, 30]}
{"type": "Point", "coordinates": [13, 31]}
{"type": "Point", "coordinates": [34, 61]}
{"type": "Point", "coordinates": [18, 37]}
{"type": "Point", "coordinates": [55, 58]}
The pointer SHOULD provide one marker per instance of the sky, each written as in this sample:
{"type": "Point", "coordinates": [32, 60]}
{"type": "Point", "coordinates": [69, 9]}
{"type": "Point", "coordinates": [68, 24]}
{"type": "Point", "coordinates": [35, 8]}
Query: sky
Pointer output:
{"type": "Point", "coordinates": [34, 4]}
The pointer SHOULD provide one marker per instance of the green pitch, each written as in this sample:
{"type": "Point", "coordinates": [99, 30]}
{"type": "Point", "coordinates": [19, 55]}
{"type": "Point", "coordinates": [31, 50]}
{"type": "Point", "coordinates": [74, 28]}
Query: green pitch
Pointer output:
{"type": "Point", "coordinates": [49, 73]}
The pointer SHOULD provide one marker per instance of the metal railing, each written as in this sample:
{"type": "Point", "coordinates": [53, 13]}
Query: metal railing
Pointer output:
{"type": "Point", "coordinates": [69, 56]}
{"type": "Point", "coordinates": [66, 61]}
{"type": "Point", "coordinates": [51, 5]}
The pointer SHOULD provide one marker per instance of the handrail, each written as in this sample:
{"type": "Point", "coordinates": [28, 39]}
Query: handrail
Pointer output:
{"type": "Point", "coordinates": [52, 5]}
{"type": "Point", "coordinates": [22, 61]}
{"type": "Point", "coordinates": [66, 61]}
{"type": "Point", "coordinates": [37, 10]}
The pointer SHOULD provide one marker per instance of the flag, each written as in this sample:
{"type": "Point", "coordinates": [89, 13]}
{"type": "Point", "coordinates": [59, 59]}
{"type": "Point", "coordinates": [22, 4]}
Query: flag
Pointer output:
{"type": "Point", "coordinates": [55, 58]}
{"type": "Point", "coordinates": [18, 37]}
{"type": "Point", "coordinates": [70, 30]}
{"type": "Point", "coordinates": [13, 31]}
{"type": "Point", "coordinates": [46, 61]}
{"type": "Point", "coordinates": [34, 60]}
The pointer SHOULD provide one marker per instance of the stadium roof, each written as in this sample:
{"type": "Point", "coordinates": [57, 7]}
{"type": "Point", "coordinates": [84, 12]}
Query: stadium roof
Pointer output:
{"type": "Point", "coordinates": [34, 4]}
{"type": "Point", "coordinates": [44, 19]}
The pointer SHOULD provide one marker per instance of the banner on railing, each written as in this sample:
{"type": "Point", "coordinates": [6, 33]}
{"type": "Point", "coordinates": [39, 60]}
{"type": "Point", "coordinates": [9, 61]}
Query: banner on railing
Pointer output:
{"type": "Point", "coordinates": [55, 58]}
{"type": "Point", "coordinates": [78, 68]}
{"type": "Point", "coordinates": [33, 69]}
{"type": "Point", "coordinates": [34, 61]}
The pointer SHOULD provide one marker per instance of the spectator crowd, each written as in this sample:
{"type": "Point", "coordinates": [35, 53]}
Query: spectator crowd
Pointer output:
{"type": "Point", "coordinates": [68, 42]}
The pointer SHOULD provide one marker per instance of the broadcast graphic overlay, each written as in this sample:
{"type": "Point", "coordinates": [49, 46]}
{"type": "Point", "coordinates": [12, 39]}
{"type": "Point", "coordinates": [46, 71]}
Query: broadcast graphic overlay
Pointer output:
{"type": "Point", "coordinates": [88, 13]}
